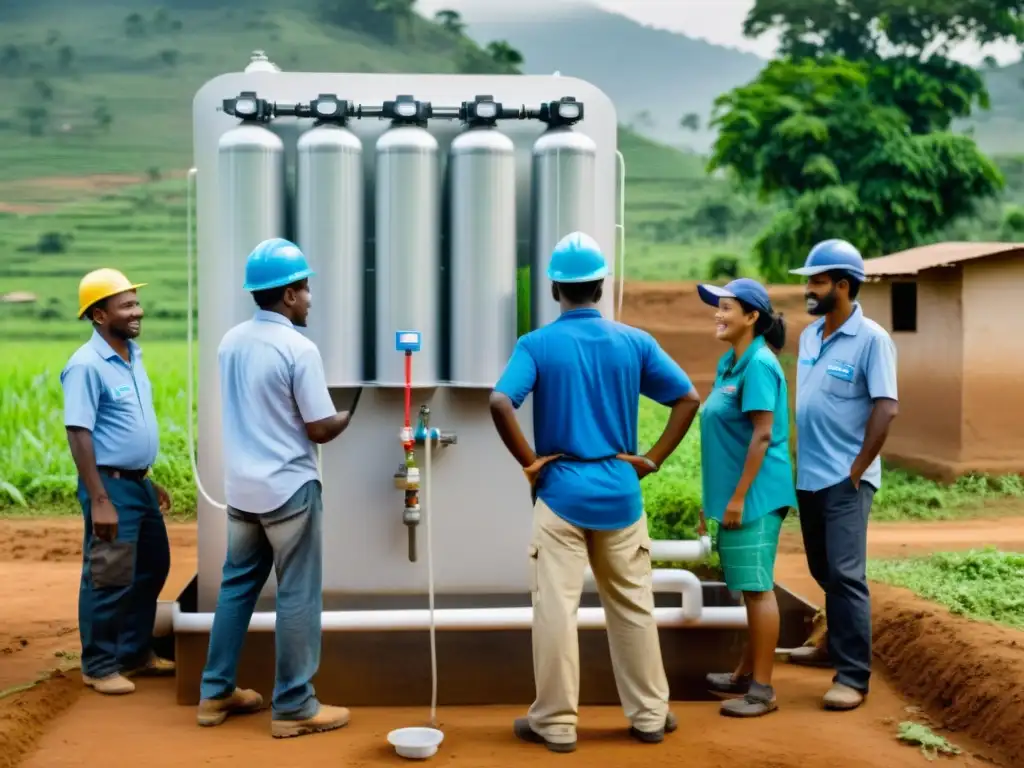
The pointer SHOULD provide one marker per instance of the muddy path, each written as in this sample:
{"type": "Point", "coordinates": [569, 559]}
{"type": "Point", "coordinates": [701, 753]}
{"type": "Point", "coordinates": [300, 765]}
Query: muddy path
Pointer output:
{"type": "Point", "coordinates": [940, 663]}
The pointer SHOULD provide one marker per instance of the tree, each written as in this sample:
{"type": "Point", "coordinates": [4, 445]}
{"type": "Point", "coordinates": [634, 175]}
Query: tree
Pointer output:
{"type": "Point", "coordinates": [690, 122]}
{"type": "Point", "coordinates": [450, 21]}
{"type": "Point", "coordinates": [504, 55]}
{"type": "Point", "coordinates": [813, 134]}
{"type": "Point", "coordinates": [400, 13]}
{"type": "Point", "coordinates": [134, 26]}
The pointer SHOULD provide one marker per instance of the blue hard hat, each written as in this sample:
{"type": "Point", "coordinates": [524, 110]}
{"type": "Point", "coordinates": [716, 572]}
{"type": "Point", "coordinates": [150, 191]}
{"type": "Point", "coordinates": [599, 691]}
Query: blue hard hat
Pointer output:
{"type": "Point", "coordinates": [577, 258]}
{"type": "Point", "coordinates": [829, 255]}
{"type": "Point", "coordinates": [273, 263]}
{"type": "Point", "coordinates": [746, 290]}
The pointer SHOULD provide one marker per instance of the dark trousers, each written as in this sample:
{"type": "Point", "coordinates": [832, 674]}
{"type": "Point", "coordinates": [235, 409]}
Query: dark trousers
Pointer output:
{"type": "Point", "coordinates": [116, 623]}
{"type": "Point", "coordinates": [834, 522]}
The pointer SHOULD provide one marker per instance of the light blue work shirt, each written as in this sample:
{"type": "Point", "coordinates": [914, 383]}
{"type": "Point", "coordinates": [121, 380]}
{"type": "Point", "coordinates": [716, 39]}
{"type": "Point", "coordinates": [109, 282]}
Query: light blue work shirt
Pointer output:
{"type": "Point", "coordinates": [755, 382]}
{"type": "Point", "coordinates": [272, 384]}
{"type": "Point", "coordinates": [586, 374]}
{"type": "Point", "coordinates": [837, 381]}
{"type": "Point", "coordinates": [113, 399]}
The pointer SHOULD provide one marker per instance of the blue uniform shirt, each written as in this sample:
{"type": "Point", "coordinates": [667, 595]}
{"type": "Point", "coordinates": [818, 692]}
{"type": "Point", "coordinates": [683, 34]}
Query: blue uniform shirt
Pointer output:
{"type": "Point", "coordinates": [113, 399]}
{"type": "Point", "coordinates": [272, 384]}
{"type": "Point", "coordinates": [837, 381]}
{"type": "Point", "coordinates": [586, 375]}
{"type": "Point", "coordinates": [755, 382]}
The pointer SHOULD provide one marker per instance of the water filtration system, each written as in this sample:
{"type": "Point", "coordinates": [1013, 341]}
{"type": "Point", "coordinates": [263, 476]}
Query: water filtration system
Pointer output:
{"type": "Point", "coordinates": [428, 206]}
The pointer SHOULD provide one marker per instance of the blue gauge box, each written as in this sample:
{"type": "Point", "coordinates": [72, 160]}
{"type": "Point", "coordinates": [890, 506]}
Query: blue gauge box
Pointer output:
{"type": "Point", "coordinates": [407, 341]}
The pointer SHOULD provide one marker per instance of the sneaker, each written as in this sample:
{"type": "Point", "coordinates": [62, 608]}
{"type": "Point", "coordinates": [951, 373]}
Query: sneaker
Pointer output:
{"type": "Point", "coordinates": [658, 736]}
{"type": "Point", "coordinates": [759, 700]}
{"type": "Point", "coordinates": [524, 732]}
{"type": "Point", "coordinates": [154, 667]}
{"type": "Point", "coordinates": [111, 685]}
{"type": "Point", "coordinates": [242, 701]}
{"type": "Point", "coordinates": [842, 698]}
{"type": "Point", "coordinates": [810, 656]}
{"type": "Point", "coordinates": [327, 719]}
{"type": "Point", "coordinates": [728, 684]}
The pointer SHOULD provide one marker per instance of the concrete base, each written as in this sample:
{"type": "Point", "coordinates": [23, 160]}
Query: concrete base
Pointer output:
{"type": "Point", "coordinates": [943, 470]}
{"type": "Point", "coordinates": [475, 668]}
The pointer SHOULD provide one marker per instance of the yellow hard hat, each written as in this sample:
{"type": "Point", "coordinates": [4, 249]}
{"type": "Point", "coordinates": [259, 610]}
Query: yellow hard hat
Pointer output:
{"type": "Point", "coordinates": [102, 284]}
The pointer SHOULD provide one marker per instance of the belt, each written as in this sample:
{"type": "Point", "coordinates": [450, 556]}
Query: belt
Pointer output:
{"type": "Point", "coordinates": [124, 474]}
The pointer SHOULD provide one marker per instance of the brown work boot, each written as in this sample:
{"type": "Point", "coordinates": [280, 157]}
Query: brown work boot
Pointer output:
{"type": "Point", "coordinates": [810, 656]}
{"type": "Point", "coordinates": [327, 719]}
{"type": "Point", "coordinates": [524, 732]}
{"type": "Point", "coordinates": [111, 685]}
{"type": "Point", "coordinates": [154, 667]}
{"type": "Point", "coordinates": [842, 697]}
{"type": "Point", "coordinates": [242, 701]}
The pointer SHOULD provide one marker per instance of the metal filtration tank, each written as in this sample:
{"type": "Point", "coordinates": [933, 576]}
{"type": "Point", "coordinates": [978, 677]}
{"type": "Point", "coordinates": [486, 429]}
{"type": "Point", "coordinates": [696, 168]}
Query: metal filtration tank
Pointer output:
{"type": "Point", "coordinates": [330, 233]}
{"type": "Point", "coordinates": [483, 247]}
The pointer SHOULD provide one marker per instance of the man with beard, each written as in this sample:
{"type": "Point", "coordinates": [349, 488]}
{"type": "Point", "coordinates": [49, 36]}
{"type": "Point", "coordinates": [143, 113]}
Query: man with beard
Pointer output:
{"type": "Point", "coordinates": [114, 440]}
{"type": "Point", "coordinates": [845, 401]}
{"type": "Point", "coordinates": [276, 408]}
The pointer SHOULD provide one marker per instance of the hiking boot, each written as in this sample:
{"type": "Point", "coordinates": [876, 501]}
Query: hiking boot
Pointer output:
{"type": "Point", "coordinates": [525, 732]}
{"type": "Point", "coordinates": [728, 684]}
{"type": "Point", "coordinates": [810, 656]}
{"type": "Point", "coordinates": [327, 719]}
{"type": "Point", "coordinates": [655, 737]}
{"type": "Point", "coordinates": [842, 698]}
{"type": "Point", "coordinates": [241, 701]}
{"type": "Point", "coordinates": [111, 685]}
{"type": "Point", "coordinates": [154, 667]}
{"type": "Point", "coordinates": [759, 700]}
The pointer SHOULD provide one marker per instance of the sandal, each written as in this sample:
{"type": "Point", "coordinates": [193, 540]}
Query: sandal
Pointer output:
{"type": "Point", "coordinates": [758, 701]}
{"type": "Point", "coordinates": [728, 684]}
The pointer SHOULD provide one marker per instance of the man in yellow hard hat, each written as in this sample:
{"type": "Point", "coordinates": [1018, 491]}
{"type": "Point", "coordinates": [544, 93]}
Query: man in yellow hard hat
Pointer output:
{"type": "Point", "coordinates": [114, 438]}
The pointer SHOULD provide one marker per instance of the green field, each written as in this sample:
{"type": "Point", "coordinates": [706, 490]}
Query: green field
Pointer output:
{"type": "Point", "coordinates": [987, 584]}
{"type": "Point", "coordinates": [36, 470]}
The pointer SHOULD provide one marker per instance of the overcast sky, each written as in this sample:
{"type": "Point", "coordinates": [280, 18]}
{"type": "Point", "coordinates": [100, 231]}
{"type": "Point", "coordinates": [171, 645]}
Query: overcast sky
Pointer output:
{"type": "Point", "coordinates": [718, 21]}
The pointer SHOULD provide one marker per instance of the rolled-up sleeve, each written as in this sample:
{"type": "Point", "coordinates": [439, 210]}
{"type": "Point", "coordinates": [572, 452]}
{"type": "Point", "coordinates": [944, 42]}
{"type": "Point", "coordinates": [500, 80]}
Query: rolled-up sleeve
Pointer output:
{"type": "Point", "coordinates": [83, 387]}
{"type": "Point", "coordinates": [309, 385]}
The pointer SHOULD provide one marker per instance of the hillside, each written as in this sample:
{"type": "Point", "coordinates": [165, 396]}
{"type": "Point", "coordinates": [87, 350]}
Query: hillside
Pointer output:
{"type": "Point", "coordinates": [95, 135]}
{"type": "Point", "coordinates": [655, 77]}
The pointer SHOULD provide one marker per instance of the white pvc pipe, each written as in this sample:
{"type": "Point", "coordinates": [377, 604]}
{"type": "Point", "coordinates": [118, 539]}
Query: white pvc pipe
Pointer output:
{"type": "Point", "coordinates": [685, 551]}
{"type": "Point", "coordinates": [674, 580]}
{"type": "Point", "coordinates": [475, 619]}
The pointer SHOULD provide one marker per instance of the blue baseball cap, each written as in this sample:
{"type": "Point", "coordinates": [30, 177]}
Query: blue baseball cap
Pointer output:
{"type": "Point", "coordinates": [746, 290]}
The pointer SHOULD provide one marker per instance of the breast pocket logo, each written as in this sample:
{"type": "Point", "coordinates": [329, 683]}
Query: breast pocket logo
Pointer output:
{"type": "Point", "coordinates": [120, 392]}
{"type": "Point", "coordinates": [841, 370]}
{"type": "Point", "coordinates": [729, 389]}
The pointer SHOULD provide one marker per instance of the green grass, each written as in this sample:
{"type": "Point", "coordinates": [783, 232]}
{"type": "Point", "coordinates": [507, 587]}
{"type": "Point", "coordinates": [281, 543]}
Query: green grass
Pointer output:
{"type": "Point", "coordinates": [986, 584]}
{"type": "Point", "coordinates": [37, 473]}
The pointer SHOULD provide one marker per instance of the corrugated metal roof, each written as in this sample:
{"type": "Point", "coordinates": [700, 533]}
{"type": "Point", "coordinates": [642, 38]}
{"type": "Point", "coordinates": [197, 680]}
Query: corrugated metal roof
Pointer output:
{"type": "Point", "coordinates": [915, 260]}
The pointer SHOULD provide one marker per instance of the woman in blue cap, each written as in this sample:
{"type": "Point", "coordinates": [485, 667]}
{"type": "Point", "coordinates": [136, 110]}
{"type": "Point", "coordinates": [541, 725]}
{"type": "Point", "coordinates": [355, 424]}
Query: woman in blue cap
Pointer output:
{"type": "Point", "coordinates": [748, 478]}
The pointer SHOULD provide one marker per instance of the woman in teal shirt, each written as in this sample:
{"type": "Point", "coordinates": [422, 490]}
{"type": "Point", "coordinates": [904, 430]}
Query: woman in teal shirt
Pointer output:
{"type": "Point", "coordinates": [748, 478]}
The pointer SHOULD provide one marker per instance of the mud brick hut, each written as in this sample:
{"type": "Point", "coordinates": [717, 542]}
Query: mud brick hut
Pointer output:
{"type": "Point", "coordinates": [953, 312]}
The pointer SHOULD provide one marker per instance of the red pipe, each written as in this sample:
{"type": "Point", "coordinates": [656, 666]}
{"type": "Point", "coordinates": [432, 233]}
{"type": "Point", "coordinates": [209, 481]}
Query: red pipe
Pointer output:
{"type": "Point", "coordinates": [408, 394]}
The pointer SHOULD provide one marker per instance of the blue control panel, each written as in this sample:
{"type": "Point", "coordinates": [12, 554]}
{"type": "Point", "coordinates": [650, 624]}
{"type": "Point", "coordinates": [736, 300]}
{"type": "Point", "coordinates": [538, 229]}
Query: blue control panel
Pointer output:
{"type": "Point", "coordinates": [407, 341]}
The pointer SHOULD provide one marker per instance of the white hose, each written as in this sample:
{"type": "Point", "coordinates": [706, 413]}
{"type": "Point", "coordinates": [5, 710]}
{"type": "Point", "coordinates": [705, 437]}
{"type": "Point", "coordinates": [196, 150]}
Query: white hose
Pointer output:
{"type": "Point", "coordinates": [191, 384]}
{"type": "Point", "coordinates": [428, 481]}
{"type": "Point", "coordinates": [621, 226]}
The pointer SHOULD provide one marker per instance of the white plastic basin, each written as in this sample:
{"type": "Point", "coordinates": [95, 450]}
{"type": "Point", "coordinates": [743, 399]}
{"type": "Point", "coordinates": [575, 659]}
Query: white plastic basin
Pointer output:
{"type": "Point", "coordinates": [416, 743]}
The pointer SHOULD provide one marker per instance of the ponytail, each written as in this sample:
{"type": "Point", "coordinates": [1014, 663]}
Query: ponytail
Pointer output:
{"type": "Point", "coordinates": [775, 333]}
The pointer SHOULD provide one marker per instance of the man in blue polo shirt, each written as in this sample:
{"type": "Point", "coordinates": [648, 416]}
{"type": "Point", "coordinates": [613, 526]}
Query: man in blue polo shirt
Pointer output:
{"type": "Point", "coordinates": [845, 401]}
{"type": "Point", "coordinates": [276, 409]}
{"type": "Point", "coordinates": [586, 375]}
{"type": "Point", "coordinates": [114, 439]}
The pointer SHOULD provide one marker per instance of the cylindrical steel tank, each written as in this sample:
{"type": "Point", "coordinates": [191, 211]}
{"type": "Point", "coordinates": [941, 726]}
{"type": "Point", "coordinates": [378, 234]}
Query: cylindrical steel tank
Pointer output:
{"type": "Point", "coordinates": [483, 255]}
{"type": "Point", "coordinates": [408, 264]}
{"type": "Point", "coordinates": [330, 233]}
{"type": "Point", "coordinates": [251, 207]}
{"type": "Point", "coordinates": [564, 167]}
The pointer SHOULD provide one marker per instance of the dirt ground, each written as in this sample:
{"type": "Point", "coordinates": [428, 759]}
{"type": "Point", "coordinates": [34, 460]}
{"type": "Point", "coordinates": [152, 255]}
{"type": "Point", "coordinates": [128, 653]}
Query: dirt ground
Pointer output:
{"type": "Point", "coordinates": [967, 677]}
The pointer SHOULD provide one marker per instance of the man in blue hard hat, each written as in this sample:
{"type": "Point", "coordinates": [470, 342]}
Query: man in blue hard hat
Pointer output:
{"type": "Point", "coordinates": [586, 375]}
{"type": "Point", "coordinates": [845, 401]}
{"type": "Point", "coordinates": [276, 408]}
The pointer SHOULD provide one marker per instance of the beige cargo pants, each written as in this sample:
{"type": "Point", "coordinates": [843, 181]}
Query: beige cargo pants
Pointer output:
{"type": "Point", "coordinates": [621, 562]}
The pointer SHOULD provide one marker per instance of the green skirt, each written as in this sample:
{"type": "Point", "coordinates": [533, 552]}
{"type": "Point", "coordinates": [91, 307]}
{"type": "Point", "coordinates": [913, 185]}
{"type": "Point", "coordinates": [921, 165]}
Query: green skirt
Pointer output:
{"type": "Point", "coordinates": [748, 553]}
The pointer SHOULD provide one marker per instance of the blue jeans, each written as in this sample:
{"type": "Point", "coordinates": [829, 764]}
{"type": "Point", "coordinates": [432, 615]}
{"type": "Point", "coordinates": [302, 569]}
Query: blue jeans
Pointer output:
{"type": "Point", "coordinates": [289, 540]}
{"type": "Point", "coordinates": [834, 522]}
{"type": "Point", "coordinates": [116, 623]}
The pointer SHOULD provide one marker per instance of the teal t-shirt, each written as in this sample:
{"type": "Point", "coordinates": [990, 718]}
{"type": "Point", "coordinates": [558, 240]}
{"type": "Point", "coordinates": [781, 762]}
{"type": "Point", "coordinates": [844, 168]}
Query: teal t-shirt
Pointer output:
{"type": "Point", "coordinates": [755, 382]}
